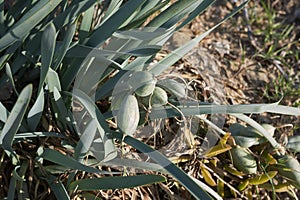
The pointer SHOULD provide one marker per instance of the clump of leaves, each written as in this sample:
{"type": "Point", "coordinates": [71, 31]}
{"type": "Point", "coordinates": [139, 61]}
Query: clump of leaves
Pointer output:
{"type": "Point", "coordinates": [60, 59]}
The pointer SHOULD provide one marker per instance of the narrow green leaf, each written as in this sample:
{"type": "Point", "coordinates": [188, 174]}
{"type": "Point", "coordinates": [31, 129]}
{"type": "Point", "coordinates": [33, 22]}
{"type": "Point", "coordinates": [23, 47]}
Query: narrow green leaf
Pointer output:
{"type": "Point", "coordinates": [3, 113]}
{"type": "Point", "coordinates": [60, 109]}
{"type": "Point", "coordinates": [146, 11]}
{"type": "Point", "coordinates": [2, 18]}
{"type": "Point", "coordinates": [122, 162]}
{"type": "Point", "coordinates": [198, 10]}
{"type": "Point", "coordinates": [106, 89]}
{"type": "Point", "coordinates": [72, 12]}
{"type": "Point", "coordinates": [12, 188]}
{"type": "Point", "coordinates": [10, 76]}
{"type": "Point", "coordinates": [160, 159]}
{"type": "Point", "coordinates": [21, 181]}
{"type": "Point", "coordinates": [112, 8]}
{"type": "Point", "coordinates": [175, 9]}
{"type": "Point", "coordinates": [52, 80]}
{"type": "Point", "coordinates": [58, 188]}
{"type": "Point", "coordinates": [28, 22]}
{"type": "Point", "coordinates": [61, 52]}
{"type": "Point", "coordinates": [86, 23]}
{"type": "Point", "coordinates": [149, 5]}
{"type": "Point", "coordinates": [8, 54]}
{"type": "Point", "coordinates": [102, 126]}
{"type": "Point", "coordinates": [15, 118]}
{"type": "Point", "coordinates": [86, 140]}
{"type": "Point", "coordinates": [80, 51]}
{"type": "Point", "coordinates": [35, 113]}
{"type": "Point", "coordinates": [206, 108]}
{"type": "Point", "coordinates": [223, 109]}
{"type": "Point", "coordinates": [182, 14]}
{"type": "Point", "coordinates": [207, 188]}
{"type": "Point", "coordinates": [115, 182]}
{"type": "Point", "coordinates": [38, 134]}
{"type": "Point", "coordinates": [114, 22]}
{"type": "Point", "coordinates": [60, 159]}
{"type": "Point", "coordinates": [47, 51]}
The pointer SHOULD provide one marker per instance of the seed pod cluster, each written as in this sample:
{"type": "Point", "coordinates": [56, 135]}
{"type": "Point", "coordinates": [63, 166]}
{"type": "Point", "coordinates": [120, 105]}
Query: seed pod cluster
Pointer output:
{"type": "Point", "coordinates": [142, 82]}
{"type": "Point", "coordinates": [159, 97]}
{"type": "Point", "coordinates": [128, 115]}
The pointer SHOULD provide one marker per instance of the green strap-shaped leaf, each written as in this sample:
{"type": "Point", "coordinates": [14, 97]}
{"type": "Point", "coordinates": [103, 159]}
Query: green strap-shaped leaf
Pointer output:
{"type": "Point", "coordinates": [72, 12]}
{"type": "Point", "coordinates": [111, 8]}
{"type": "Point", "coordinates": [169, 112]}
{"type": "Point", "coordinates": [61, 52]}
{"type": "Point", "coordinates": [35, 113]}
{"type": "Point", "coordinates": [10, 76]}
{"type": "Point", "coordinates": [2, 18]}
{"type": "Point", "coordinates": [102, 127]}
{"type": "Point", "coordinates": [199, 9]}
{"type": "Point", "coordinates": [224, 109]}
{"type": "Point", "coordinates": [115, 182]}
{"type": "Point", "coordinates": [14, 120]}
{"type": "Point", "coordinates": [170, 167]}
{"type": "Point", "coordinates": [85, 141]}
{"type": "Point", "coordinates": [60, 110]}
{"type": "Point", "coordinates": [3, 113]}
{"type": "Point", "coordinates": [114, 22]}
{"type": "Point", "coordinates": [70, 163]}
{"type": "Point", "coordinates": [86, 23]}
{"type": "Point", "coordinates": [175, 9]}
{"type": "Point", "coordinates": [38, 134]}
{"type": "Point", "coordinates": [8, 54]}
{"type": "Point", "coordinates": [123, 162]}
{"type": "Point", "coordinates": [22, 28]}
{"type": "Point", "coordinates": [81, 51]}
{"type": "Point", "coordinates": [53, 80]}
{"type": "Point", "coordinates": [57, 188]}
{"type": "Point", "coordinates": [146, 11]}
{"type": "Point", "coordinates": [47, 51]}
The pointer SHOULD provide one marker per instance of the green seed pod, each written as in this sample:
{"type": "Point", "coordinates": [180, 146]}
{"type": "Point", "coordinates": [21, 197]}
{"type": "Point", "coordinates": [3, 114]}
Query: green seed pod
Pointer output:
{"type": "Point", "coordinates": [119, 94]}
{"type": "Point", "coordinates": [159, 97]}
{"type": "Point", "coordinates": [289, 168]}
{"type": "Point", "coordinates": [173, 87]}
{"type": "Point", "coordinates": [243, 160]}
{"type": "Point", "coordinates": [142, 82]}
{"type": "Point", "coordinates": [294, 143]}
{"type": "Point", "coordinates": [128, 115]}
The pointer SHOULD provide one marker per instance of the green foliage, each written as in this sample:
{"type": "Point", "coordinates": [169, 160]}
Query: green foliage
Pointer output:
{"type": "Point", "coordinates": [74, 61]}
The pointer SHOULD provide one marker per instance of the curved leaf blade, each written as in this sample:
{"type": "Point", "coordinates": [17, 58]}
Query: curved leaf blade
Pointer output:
{"type": "Point", "coordinates": [114, 22]}
{"type": "Point", "coordinates": [28, 22]}
{"type": "Point", "coordinates": [115, 182]}
{"type": "Point", "coordinates": [47, 51]}
{"type": "Point", "coordinates": [13, 122]}
{"type": "Point", "coordinates": [63, 160]}
{"type": "Point", "coordinates": [15, 118]}
{"type": "Point", "coordinates": [36, 111]}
